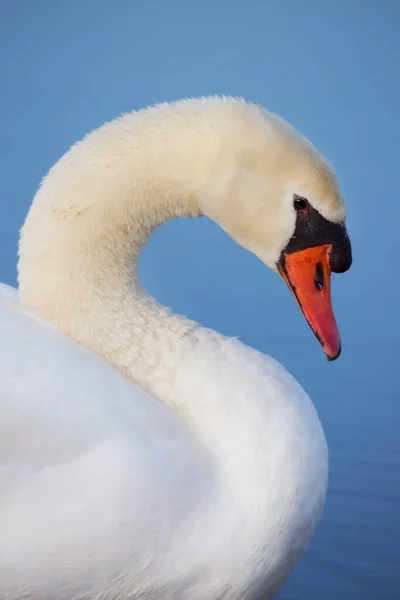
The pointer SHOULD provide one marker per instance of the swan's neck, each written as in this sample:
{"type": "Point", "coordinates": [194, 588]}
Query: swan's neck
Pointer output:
{"type": "Point", "coordinates": [79, 252]}
{"type": "Point", "coordinates": [82, 239]}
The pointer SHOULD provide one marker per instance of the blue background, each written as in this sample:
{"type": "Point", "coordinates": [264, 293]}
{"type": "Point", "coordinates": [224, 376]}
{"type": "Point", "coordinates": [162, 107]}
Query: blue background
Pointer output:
{"type": "Point", "coordinates": [332, 69]}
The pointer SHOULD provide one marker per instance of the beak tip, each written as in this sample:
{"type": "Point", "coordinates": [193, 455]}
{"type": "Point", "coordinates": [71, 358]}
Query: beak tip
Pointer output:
{"type": "Point", "coordinates": [331, 357]}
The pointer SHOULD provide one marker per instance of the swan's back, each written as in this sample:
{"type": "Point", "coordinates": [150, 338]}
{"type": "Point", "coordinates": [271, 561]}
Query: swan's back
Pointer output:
{"type": "Point", "coordinates": [85, 459]}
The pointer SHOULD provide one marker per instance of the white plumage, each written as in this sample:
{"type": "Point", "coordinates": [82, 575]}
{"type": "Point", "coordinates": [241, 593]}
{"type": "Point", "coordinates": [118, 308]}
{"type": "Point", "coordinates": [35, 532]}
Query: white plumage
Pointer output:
{"type": "Point", "coordinates": [206, 477]}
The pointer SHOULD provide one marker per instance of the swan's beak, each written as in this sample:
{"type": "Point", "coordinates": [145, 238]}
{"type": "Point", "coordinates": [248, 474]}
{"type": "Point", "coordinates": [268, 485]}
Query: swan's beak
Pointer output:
{"type": "Point", "coordinates": [306, 267]}
{"type": "Point", "coordinates": [308, 276]}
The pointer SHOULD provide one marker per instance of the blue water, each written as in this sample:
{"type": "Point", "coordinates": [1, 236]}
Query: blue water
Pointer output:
{"type": "Point", "coordinates": [331, 68]}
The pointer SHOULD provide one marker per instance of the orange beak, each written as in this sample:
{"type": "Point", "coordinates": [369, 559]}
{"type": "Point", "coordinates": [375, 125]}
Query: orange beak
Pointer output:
{"type": "Point", "coordinates": [308, 275]}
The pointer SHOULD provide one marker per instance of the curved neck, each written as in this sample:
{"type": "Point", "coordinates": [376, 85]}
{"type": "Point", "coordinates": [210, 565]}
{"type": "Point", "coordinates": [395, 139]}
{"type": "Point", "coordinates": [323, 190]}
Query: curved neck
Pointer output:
{"type": "Point", "coordinates": [81, 242]}
{"type": "Point", "coordinates": [79, 250]}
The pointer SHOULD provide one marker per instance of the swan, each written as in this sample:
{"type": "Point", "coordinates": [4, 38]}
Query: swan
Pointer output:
{"type": "Point", "coordinates": [142, 455]}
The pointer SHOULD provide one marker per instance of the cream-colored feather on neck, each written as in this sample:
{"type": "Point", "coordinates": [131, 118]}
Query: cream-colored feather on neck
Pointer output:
{"type": "Point", "coordinates": [98, 205]}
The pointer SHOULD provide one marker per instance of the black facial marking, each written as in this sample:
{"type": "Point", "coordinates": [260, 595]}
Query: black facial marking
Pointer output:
{"type": "Point", "coordinates": [312, 229]}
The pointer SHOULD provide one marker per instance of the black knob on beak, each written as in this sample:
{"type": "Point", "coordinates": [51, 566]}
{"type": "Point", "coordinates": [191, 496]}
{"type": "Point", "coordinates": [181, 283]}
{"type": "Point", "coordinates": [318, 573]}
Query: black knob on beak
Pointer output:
{"type": "Point", "coordinates": [341, 256]}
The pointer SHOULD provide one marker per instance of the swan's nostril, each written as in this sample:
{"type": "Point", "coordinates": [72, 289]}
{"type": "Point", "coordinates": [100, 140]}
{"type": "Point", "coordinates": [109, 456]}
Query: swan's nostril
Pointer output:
{"type": "Point", "coordinates": [319, 277]}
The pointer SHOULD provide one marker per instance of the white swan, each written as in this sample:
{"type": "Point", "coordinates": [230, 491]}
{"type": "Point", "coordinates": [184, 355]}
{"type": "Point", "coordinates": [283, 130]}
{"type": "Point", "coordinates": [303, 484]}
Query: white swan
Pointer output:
{"type": "Point", "coordinates": [206, 477]}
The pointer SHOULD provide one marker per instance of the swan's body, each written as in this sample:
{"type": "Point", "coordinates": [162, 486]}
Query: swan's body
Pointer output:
{"type": "Point", "coordinates": [208, 484]}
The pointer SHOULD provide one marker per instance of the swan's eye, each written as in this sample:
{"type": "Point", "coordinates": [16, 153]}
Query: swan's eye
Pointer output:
{"type": "Point", "coordinates": [300, 203]}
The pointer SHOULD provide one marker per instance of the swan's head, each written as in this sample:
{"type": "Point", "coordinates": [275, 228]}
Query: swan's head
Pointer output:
{"type": "Point", "coordinates": [278, 197]}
